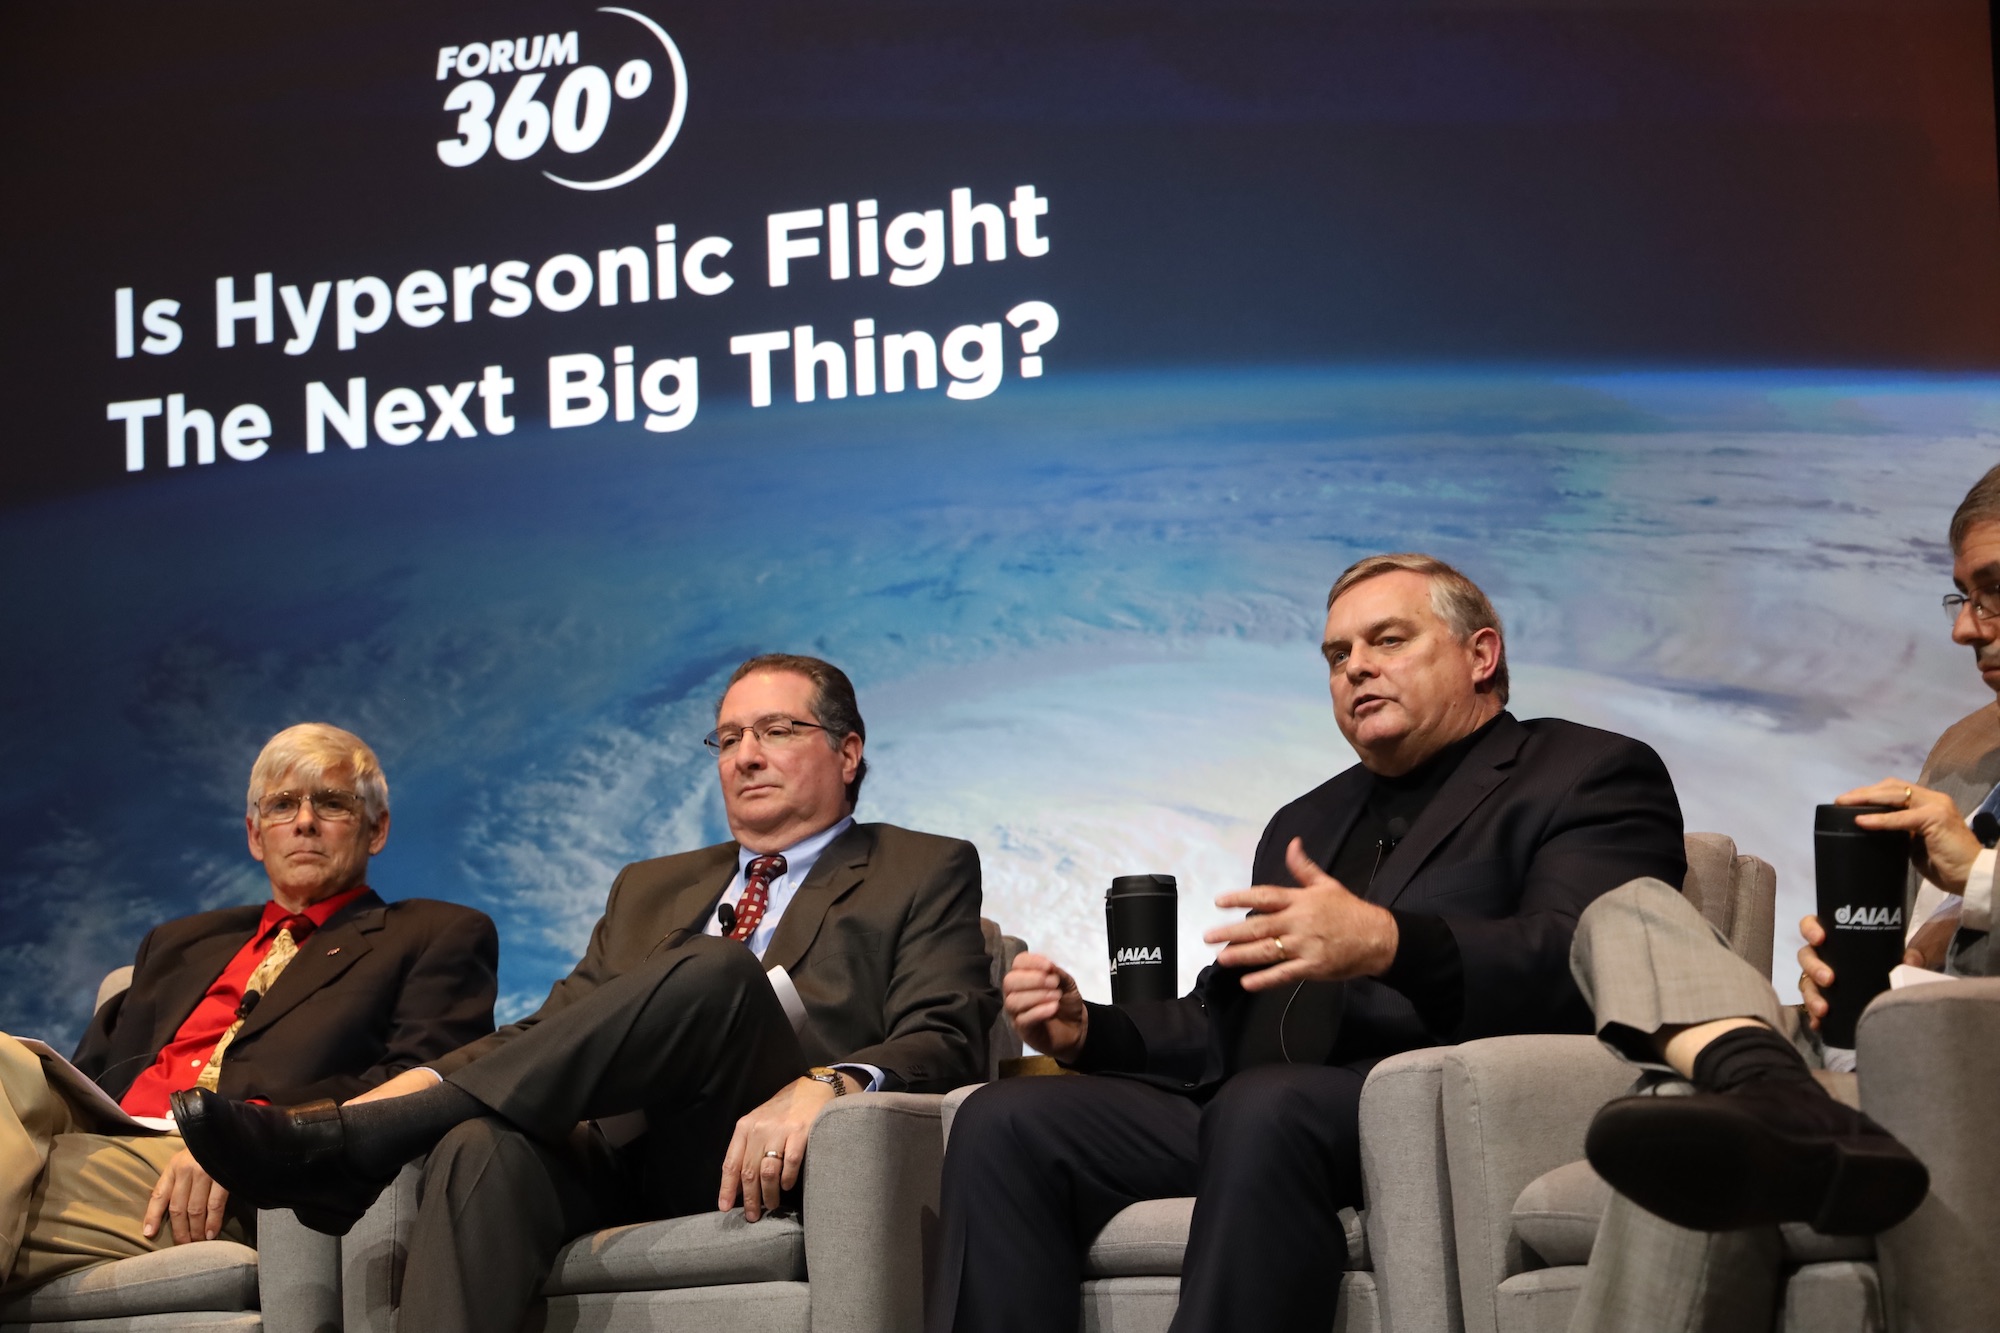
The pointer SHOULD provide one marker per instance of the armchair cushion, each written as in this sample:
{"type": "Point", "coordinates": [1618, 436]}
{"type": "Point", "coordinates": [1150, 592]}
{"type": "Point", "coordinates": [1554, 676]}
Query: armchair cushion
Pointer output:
{"type": "Point", "coordinates": [1145, 1240]}
{"type": "Point", "coordinates": [1557, 1216]}
{"type": "Point", "coordinates": [699, 1250]}
{"type": "Point", "coordinates": [210, 1275]}
{"type": "Point", "coordinates": [1149, 1238]}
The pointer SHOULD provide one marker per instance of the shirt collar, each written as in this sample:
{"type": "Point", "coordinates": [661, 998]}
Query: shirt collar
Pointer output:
{"type": "Point", "coordinates": [800, 856]}
{"type": "Point", "coordinates": [318, 913]}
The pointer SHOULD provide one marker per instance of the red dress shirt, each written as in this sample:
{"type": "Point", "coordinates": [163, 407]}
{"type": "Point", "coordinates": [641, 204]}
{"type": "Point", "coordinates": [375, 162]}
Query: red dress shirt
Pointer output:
{"type": "Point", "coordinates": [181, 1060]}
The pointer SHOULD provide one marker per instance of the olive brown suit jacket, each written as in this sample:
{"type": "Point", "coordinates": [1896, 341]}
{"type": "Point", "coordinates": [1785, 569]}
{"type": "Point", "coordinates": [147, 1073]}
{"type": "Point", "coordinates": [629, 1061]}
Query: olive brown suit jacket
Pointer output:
{"type": "Point", "coordinates": [882, 941]}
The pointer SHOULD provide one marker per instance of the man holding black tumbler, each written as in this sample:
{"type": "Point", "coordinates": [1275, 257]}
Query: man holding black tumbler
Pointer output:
{"type": "Point", "coordinates": [1691, 1242]}
{"type": "Point", "coordinates": [1426, 895]}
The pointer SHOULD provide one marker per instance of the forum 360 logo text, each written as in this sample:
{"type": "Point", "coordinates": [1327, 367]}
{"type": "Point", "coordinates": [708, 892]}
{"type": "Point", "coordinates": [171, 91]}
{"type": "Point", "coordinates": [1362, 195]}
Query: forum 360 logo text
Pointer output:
{"type": "Point", "coordinates": [597, 107]}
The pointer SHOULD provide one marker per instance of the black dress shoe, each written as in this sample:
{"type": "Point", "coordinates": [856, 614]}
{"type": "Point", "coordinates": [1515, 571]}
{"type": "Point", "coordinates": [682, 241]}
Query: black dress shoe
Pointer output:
{"type": "Point", "coordinates": [277, 1156]}
{"type": "Point", "coordinates": [1767, 1151]}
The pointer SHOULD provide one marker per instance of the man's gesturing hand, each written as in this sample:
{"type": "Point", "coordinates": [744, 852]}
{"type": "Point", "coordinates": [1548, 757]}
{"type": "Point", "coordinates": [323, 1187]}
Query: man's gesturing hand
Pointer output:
{"type": "Point", "coordinates": [1316, 932]}
{"type": "Point", "coordinates": [1046, 1009]}
{"type": "Point", "coordinates": [188, 1199]}
{"type": "Point", "coordinates": [769, 1146]}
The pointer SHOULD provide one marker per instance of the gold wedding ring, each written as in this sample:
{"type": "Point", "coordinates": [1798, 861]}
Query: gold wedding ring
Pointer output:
{"type": "Point", "coordinates": [1279, 940]}
{"type": "Point", "coordinates": [1908, 792]}
{"type": "Point", "coordinates": [772, 1152]}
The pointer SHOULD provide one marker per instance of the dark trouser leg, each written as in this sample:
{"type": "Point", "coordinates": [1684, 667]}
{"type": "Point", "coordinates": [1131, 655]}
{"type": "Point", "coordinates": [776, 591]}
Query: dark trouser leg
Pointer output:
{"type": "Point", "coordinates": [1035, 1168]}
{"type": "Point", "coordinates": [495, 1207]}
{"type": "Point", "coordinates": [694, 1038]}
{"type": "Point", "coordinates": [1280, 1157]}
{"type": "Point", "coordinates": [697, 1025]}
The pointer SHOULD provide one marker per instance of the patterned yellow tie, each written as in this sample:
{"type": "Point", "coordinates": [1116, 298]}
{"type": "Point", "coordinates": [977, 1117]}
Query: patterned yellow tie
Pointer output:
{"type": "Point", "coordinates": [282, 951]}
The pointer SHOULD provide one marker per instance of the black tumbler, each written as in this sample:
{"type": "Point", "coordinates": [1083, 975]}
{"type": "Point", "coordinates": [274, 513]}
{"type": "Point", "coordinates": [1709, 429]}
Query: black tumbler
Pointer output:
{"type": "Point", "coordinates": [1141, 914]}
{"type": "Point", "coordinates": [1860, 875]}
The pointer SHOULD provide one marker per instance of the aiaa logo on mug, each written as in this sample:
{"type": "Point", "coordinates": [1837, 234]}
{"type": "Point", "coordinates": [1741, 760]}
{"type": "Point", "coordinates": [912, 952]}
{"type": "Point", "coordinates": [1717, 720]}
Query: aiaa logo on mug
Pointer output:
{"type": "Point", "coordinates": [498, 100]}
{"type": "Point", "coordinates": [1131, 955]}
{"type": "Point", "coordinates": [1869, 918]}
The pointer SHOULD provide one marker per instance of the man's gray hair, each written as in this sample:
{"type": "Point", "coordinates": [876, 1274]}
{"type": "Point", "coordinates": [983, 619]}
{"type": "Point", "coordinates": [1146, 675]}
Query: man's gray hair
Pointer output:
{"type": "Point", "coordinates": [310, 751]}
{"type": "Point", "coordinates": [1980, 505]}
{"type": "Point", "coordinates": [833, 703]}
{"type": "Point", "coordinates": [1455, 599]}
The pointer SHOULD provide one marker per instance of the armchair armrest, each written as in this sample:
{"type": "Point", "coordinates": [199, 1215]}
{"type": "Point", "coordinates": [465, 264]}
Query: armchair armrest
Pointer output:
{"type": "Point", "coordinates": [1407, 1191]}
{"type": "Point", "coordinates": [871, 1201]}
{"type": "Point", "coordinates": [871, 1209]}
{"type": "Point", "coordinates": [1930, 1073]}
{"type": "Point", "coordinates": [1514, 1108]}
{"type": "Point", "coordinates": [298, 1275]}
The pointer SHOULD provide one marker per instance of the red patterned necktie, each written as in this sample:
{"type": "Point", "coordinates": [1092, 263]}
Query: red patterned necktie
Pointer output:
{"type": "Point", "coordinates": [756, 894]}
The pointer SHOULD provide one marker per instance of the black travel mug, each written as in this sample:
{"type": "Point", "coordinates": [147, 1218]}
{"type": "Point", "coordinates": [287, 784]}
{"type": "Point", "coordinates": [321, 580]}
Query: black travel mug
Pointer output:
{"type": "Point", "coordinates": [1141, 914]}
{"type": "Point", "coordinates": [1860, 875]}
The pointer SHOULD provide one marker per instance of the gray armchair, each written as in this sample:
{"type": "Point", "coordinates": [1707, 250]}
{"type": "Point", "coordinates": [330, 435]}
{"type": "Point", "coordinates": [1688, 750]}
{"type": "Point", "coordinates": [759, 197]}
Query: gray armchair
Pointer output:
{"type": "Point", "coordinates": [1528, 1210]}
{"type": "Point", "coordinates": [288, 1284]}
{"type": "Point", "coordinates": [1515, 1120]}
{"type": "Point", "coordinates": [1397, 1273]}
{"type": "Point", "coordinates": [872, 1168]}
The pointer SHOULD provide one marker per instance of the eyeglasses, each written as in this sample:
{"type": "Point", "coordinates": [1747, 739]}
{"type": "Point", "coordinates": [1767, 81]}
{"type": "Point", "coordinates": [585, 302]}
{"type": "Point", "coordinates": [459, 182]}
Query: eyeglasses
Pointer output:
{"type": "Point", "coordinates": [1985, 602]}
{"type": "Point", "coordinates": [773, 733]}
{"type": "Point", "coordinates": [330, 803]}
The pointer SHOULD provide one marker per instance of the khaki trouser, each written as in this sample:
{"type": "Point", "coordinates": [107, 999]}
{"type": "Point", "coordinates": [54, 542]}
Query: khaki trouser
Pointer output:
{"type": "Point", "coordinates": [69, 1198]}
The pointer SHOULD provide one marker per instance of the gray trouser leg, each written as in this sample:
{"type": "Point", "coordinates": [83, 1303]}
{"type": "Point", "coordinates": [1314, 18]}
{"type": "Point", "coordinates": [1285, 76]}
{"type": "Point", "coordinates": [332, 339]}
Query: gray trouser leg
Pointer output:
{"type": "Point", "coordinates": [1645, 959]}
{"type": "Point", "coordinates": [1650, 1276]}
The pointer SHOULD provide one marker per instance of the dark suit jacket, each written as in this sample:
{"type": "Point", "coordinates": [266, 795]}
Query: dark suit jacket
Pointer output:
{"type": "Point", "coordinates": [882, 941]}
{"type": "Point", "coordinates": [1538, 820]}
{"type": "Point", "coordinates": [380, 988]}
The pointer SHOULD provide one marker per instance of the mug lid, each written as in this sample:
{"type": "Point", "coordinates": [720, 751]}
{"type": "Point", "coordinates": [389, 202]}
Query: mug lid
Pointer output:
{"type": "Point", "coordinates": [1125, 884]}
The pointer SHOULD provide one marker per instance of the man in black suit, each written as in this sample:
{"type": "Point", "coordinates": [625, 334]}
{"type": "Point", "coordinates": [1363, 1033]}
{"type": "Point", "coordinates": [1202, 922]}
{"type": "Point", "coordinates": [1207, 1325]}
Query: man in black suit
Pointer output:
{"type": "Point", "coordinates": [325, 990]}
{"type": "Point", "coordinates": [876, 927]}
{"type": "Point", "coordinates": [1426, 896]}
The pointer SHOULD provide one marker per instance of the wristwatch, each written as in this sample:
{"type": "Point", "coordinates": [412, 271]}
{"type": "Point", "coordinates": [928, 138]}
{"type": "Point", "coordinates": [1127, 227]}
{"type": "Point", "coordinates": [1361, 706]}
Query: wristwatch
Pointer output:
{"type": "Point", "coordinates": [830, 1076]}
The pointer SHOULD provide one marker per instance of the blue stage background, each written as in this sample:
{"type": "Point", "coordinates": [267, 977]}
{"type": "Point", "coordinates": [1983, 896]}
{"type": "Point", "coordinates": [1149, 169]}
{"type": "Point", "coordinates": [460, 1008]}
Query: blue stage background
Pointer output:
{"type": "Point", "coordinates": [1682, 338]}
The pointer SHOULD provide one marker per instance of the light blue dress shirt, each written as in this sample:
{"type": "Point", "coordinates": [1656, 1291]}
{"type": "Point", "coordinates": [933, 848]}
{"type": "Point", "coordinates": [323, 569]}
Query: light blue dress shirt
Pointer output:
{"type": "Point", "coordinates": [800, 858]}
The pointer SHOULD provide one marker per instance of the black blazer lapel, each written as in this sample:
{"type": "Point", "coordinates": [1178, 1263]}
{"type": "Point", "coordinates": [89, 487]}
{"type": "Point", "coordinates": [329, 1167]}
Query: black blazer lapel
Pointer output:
{"type": "Point", "coordinates": [327, 952]}
{"type": "Point", "coordinates": [840, 867]}
{"type": "Point", "coordinates": [1322, 838]}
{"type": "Point", "coordinates": [200, 963]}
{"type": "Point", "coordinates": [1479, 775]}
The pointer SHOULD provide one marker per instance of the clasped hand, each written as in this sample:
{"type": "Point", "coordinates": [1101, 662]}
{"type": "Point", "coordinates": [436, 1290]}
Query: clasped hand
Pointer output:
{"type": "Point", "coordinates": [768, 1149]}
{"type": "Point", "coordinates": [1943, 847]}
{"type": "Point", "coordinates": [1316, 932]}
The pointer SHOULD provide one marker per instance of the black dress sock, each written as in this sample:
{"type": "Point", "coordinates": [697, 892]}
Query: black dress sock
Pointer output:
{"type": "Point", "coordinates": [382, 1135]}
{"type": "Point", "coordinates": [1749, 1054]}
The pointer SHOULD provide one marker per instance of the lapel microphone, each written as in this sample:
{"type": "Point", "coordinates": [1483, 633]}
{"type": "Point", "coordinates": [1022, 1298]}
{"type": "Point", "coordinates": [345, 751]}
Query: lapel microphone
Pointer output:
{"type": "Point", "coordinates": [249, 1002]}
{"type": "Point", "coordinates": [1986, 828]}
{"type": "Point", "coordinates": [725, 916]}
{"type": "Point", "coordinates": [1394, 829]}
